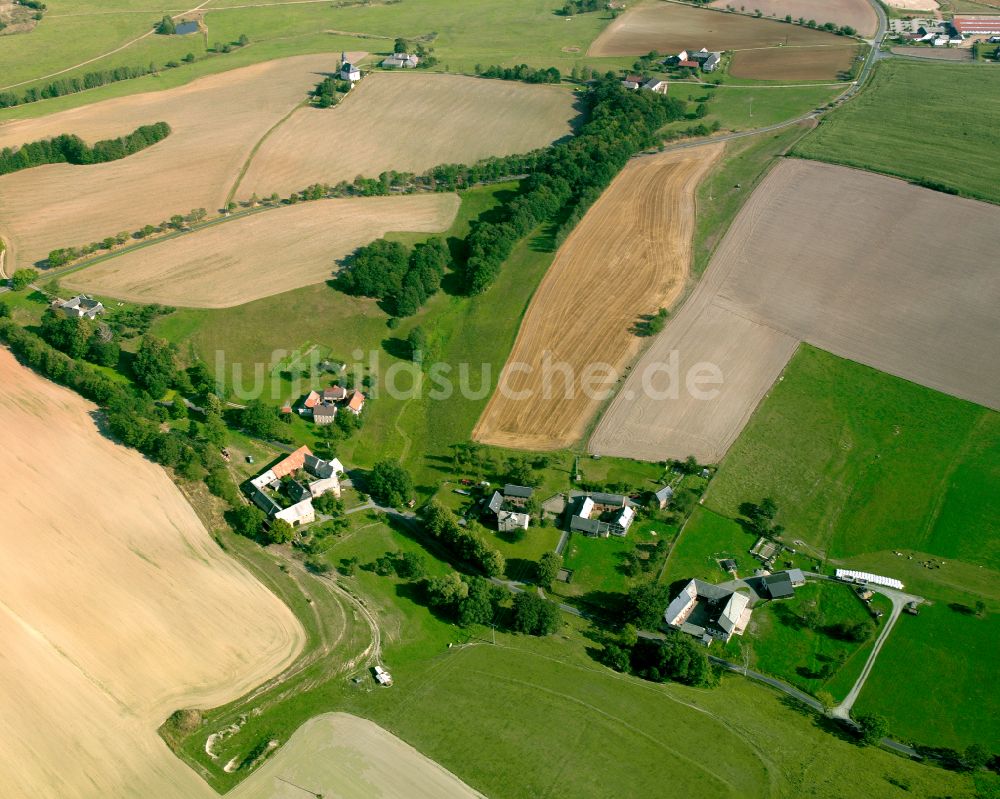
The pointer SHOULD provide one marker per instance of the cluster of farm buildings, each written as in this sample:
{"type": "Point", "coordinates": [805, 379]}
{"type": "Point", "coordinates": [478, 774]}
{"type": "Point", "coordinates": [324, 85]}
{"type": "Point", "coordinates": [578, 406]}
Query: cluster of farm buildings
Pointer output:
{"type": "Point", "coordinates": [322, 406]}
{"type": "Point", "coordinates": [287, 489]}
{"type": "Point", "coordinates": [703, 59]}
{"type": "Point", "coordinates": [954, 32]}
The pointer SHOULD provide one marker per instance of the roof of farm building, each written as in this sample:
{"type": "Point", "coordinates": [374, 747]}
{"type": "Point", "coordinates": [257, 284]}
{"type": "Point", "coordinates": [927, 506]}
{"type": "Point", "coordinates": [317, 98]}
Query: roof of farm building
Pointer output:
{"type": "Point", "coordinates": [523, 492]}
{"type": "Point", "coordinates": [970, 24]}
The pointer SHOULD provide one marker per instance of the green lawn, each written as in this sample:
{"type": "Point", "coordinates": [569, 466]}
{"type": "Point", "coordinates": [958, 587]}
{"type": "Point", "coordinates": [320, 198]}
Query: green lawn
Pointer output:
{"type": "Point", "coordinates": [782, 647]}
{"type": "Point", "coordinates": [933, 679]}
{"type": "Point", "coordinates": [704, 540]}
{"type": "Point", "coordinates": [863, 465]}
{"type": "Point", "coordinates": [859, 461]}
{"type": "Point", "coordinates": [890, 129]}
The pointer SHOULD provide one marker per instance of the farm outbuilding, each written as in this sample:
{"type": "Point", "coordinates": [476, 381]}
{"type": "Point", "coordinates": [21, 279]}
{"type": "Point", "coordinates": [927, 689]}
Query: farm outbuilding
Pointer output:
{"type": "Point", "coordinates": [982, 25]}
{"type": "Point", "coordinates": [852, 576]}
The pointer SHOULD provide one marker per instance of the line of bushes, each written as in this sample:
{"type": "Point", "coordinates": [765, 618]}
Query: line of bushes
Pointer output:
{"type": "Point", "coordinates": [571, 175]}
{"type": "Point", "coordinates": [465, 545]}
{"type": "Point", "coordinates": [521, 72]}
{"type": "Point", "coordinates": [389, 271]}
{"type": "Point", "coordinates": [68, 148]}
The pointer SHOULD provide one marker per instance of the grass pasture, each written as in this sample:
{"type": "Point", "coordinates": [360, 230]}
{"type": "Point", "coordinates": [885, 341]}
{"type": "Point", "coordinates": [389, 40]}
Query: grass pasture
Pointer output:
{"type": "Point", "coordinates": [407, 122]}
{"type": "Point", "coordinates": [931, 679]}
{"type": "Point", "coordinates": [846, 453]}
{"type": "Point", "coordinates": [886, 130]}
{"type": "Point", "coordinates": [271, 252]}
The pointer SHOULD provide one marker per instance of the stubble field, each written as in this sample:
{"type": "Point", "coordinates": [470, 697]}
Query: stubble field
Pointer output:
{"type": "Point", "coordinates": [628, 257]}
{"type": "Point", "coordinates": [671, 27]}
{"type": "Point", "coordinates": [340, 756]}
{"type": "Point", "coordinates": [857, 13]}
{"type": "Point", "coordinates": [408, 122]}
{"type": "Point", "coordinates": [215, 123]}
{"type": "Point", "coordinates": [263, 254]}
{"type": "Point", "coordinates": [838, 258]}
{"type": "Point", "coordinates": [115, 607]}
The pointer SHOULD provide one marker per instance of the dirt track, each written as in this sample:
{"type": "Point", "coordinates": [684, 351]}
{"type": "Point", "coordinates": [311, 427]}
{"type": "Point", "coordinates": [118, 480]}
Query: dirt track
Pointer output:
{"type": "Point", "coordinates": [215, 121]}
{"type": "Point", "coordinates": [116, 607]}
{"type": "Point", "coordinates": [267, 253]}
{"type": "Point", "coordinates": [408, 122]}
{"type": "Point", "coordinates": [629, 256]}
{"type": "Point", "coordinates": [864, 266]}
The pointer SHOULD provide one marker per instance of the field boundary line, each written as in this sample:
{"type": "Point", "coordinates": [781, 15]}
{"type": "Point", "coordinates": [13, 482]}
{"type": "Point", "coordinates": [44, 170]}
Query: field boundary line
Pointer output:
{"type": "Point", "coordinates": [253, 151]}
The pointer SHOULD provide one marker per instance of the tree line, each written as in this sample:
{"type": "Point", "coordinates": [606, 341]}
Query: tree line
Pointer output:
{"type": "Point", "coordinates": [401, 277]}
{"type": "Point", "coordinates": [571, 175]}
{"type": "Point", "coordinates": [521, 72]}
{"type": "Point", "coordinates": [465, 545]}
{"type": "Point", "coordinates": [68, 148]}
{"type": "Point", "coordinates": [572, 7]}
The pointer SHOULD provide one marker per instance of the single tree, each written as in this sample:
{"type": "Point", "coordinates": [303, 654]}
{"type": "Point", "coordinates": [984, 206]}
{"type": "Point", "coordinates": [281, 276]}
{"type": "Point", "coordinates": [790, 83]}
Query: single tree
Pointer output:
{"type": "Point", "coordinates": [22, 278]}
{"type": "Point", "coordinates": [873, 728]}
{"type": "Point", "coordinates": [547, 568]}
{"type": "Point", "coordinates": [389, 483]}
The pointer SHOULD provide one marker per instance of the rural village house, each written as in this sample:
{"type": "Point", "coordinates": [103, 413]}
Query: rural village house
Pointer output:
{"type": "Point", "coordinates": [81, 307]}
{"type": "Point", "coordinates": [601, 515]}
{"type": "Point", "coordinates": [708, 612]}
{"type": "Point", "coordinates": [508, 506]}
{"type": "Point", "coordinates": [401, 61]}
{"type": "Point", "coordinates": [303, 477]}
{"type": "Point", "coordinates": [323, 406]}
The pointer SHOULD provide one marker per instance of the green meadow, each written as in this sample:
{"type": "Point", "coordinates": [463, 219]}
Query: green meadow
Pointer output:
{"type": "Point", "coordinates": [919, 121]}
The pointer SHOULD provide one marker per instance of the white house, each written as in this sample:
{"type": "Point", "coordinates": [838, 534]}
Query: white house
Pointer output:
{"type": "Point", "coordinates": [508, 520]}
{"type": "Point", "coordinates": [349, 72]}
{"type": "Point", "coordinates": [655, 85]}
{"type": "Point", "coordinates": [708, 611]}
{"type": "Point", "coordinates": [401, 61]}
{"type": "Point", "coordinates": [81, 306]}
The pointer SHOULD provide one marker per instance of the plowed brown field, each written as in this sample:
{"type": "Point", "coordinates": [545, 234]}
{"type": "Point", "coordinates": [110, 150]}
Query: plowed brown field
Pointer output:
{"type": "Point", "coordinates": [629, 256]}
{"type": "Point", "coordinates": [216, 121]}
{"type": "Point", "coordinates": [263, 254]}
{"type": "Point", "coordinates": [116, 607]}
{"type": "Point", "coordinates": [408, 122]}
{"type": "Point", "coordinates": [794, 63]}
{"type": "Point", "coordinates": [671, 27]}
{"type": "Point", "coordinates": [859, 14]}
{"type": "Point", "coordinates": [845, 260]}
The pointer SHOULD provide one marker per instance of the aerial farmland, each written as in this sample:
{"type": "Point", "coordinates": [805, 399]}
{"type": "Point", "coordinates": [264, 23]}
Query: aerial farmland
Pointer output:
{"type": "Point", "coordinates": [508, 399]}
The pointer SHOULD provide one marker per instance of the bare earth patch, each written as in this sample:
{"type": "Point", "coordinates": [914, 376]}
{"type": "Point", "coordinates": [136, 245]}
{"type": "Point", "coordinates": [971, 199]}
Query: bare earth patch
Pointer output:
{"type": "Point", "coordinates": [845, 260]}
{"type": "Point", "coordinates": [859, 14]}
{"type": "Point", "coordinates": [914, 5]}
{"type": "Point", "coordinates": [671, 27]}
{"type": "Point", "coordinates": [408, 122]}
{"type": "Point", "coordinates": [629, 256]}
{"type": "Point", "coordinates": [936, 53]}
{"type": "Point", "coordinates": [216, 121]}
{"type": "Point", "coordinates": [266, 253]}
{"type": "Point", "coordinates": [116, 607]}
{"type": "Point", "coordinates": [793, 63]}
{"type": "Point", "coordinates": [339, 756]}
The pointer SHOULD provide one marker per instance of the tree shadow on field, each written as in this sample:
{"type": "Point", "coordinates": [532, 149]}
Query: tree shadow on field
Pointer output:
{"type": "Point", "coordinates": [397, 348]}
{"type": "Point", "coordinates": [835, 727]}
{"type": "Point", "coordinates": [520, 569]}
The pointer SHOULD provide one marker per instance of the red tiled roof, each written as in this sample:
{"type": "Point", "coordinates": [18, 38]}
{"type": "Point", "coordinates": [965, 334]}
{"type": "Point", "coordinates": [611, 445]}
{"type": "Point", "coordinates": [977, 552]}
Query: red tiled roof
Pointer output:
{"type": "Point", "coordinates": [688, 64]}
{"type": "Point", "coordinates": [977, 24]}
{"type": "Point", "coordinates": [312, 400]}
{"type": "Point", "coordinates": [357, 401]}
{"type": "Point", "coordinates": [292, 463]}
{"type": "Point", "coordinates": [334, 393]}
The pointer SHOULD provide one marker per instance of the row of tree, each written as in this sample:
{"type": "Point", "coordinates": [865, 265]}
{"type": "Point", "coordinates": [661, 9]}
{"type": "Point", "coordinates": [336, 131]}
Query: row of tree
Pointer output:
{"type": "Point", "coordinates": [572, 7]}
{"type": "Point", "coordinates": [465, 545]}
{"type": "Point", "coordinates": [89, 80]}
{"type": "Point", "coordinates": [69, 148]}
{"type": "Point", "coordinates": [401, 277]}
{"type": "Point", "coordinates": [521, 72]}
{"type": "Point", "coordinates": [571, 175]}
{"type": "Point", "coordinates": [328, 90]}
{"type": "Point", "coordinates": [676, 657]}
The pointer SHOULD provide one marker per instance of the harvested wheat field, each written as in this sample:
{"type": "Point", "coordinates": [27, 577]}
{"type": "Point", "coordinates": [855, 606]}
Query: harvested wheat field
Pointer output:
{"type": "Point", "coordinates": [962, 54]}
{"type": "Point", "coordinates": [262, 254]}
{"type": "Point", "coordinates": [671, 27]}
{"type": "Point", "coordinates": [340, 756]}
{"type": "Point", "coordinates": [408, 122]}
{"type": "Point", "coordinates": [914, 5]}
{"type": "Point", "coordinates": [215, 121]}
{"type": "Point", "coordinates": [854, 263]}
{"type": "Point", "coordinates": [794, 63]}
{"type": "Point", "coordinates": [628, 257]}
{"type": "Point", "coordinates": [116, 607]}
{"type": "Point", "coordinates": [859, 14]}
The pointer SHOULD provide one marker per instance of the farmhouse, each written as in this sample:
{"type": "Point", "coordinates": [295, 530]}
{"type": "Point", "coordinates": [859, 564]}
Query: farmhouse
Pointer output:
{"type": "Point", "coordinates": [401, 61]}
{"type": "Point", "coordinates": [81, 306]}
{"type": "Point", "coordinates": [324, 413]}
{"type": "Point", "coordinates": [779, 585]}
{"type": "Point", "coordinates": [323, 406]}
{"type": "Point", "coordinates": [968, 24]}
{"type": "Point", "coordinates": [356, 403]}
{"type": "Point", "coordinates": [601, 515]}
{"type": "Point", "coordinates": [287, 489]}
{"type": "Point", "coordinates": [655, 85]}
{"type": "Point", "coordinates": [663, 496]}
{"type": "Point", "coordinates": [708, 612]}
{"type": "Point", "coordinates": [508, 506]}
{"type": "Point", "coordinates": [707, 60]}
